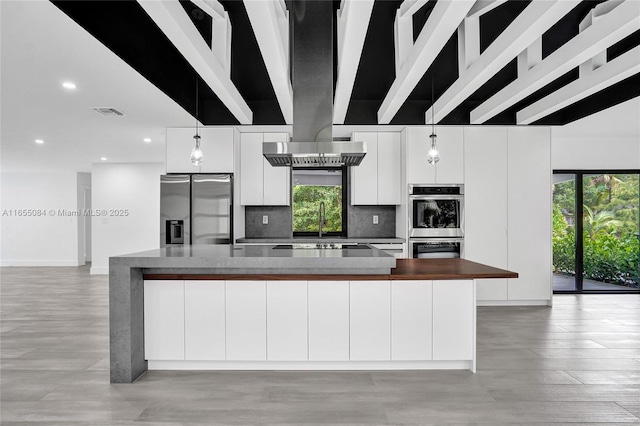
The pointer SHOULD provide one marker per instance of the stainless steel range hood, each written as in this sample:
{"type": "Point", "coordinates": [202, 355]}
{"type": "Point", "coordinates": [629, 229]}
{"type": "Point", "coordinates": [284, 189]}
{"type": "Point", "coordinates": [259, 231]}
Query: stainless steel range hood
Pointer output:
{"type": "Point", "coordinates": [312, 77]}
{"type": "Point", "coordinates": [310, 154]}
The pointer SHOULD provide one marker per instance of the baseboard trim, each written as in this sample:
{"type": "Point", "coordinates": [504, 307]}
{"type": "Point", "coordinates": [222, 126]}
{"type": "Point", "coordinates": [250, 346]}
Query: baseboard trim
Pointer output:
{"type": "Point", "coordinates": [513, 303]}
{"type": "Point", "coordinates": [99, 270]}
{"type": "Point", "coordinates": [309, 365]}
{"type": "Point", "coordinates": [4, 263]}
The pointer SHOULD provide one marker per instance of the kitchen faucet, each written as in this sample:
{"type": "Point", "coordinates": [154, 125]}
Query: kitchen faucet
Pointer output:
{"type": "Point", "coordinates": [322, 218]}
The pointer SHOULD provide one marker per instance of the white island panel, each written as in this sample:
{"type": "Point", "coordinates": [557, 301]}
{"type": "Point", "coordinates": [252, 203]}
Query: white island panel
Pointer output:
{"type": "Point", "coordinates": [246, 305]}
{"type": "Point", "coordinates": [370, 317]}
{"type": "Point", "coordinates": [328, 320]}
{"type": "Point", "coordinates": [204, 318]}
{"type": "Point", "coordinates": [411, 320]}
{"type": "Point", "coordinates": [454, 320]}
{"type": "Point", "coordinates": [287, 321]}
{"type": "Point", "coordinates": [164, 320]}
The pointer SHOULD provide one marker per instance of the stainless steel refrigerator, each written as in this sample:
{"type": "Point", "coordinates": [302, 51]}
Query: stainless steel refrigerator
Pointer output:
{"type": "Point", "coordinates": [196, 209]}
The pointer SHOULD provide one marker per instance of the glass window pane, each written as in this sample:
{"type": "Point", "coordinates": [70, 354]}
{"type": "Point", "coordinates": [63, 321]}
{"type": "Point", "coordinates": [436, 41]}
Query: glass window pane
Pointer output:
{"type": "Point", "coordinates": [564, 241]}
{"type": "Point", "coordinates": [310, 188]}
{"type": "Point", "coordinates": [611, 226]}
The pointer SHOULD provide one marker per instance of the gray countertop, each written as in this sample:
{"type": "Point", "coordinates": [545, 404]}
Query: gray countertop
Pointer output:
{"type": "Point", "coordinates": [314, 240]}
{"type": "Point", "coordinates": [250, 259]}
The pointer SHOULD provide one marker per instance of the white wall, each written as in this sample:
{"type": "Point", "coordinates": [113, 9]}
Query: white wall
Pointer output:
{"type": "Point", "coordinates": [609, 139]}
{"type": "Point", "coordinates": [594, 152]}
{"type": "Point", "coordinates": [135, 189]}
{"type": "Point", "coordinates": [50, 240]}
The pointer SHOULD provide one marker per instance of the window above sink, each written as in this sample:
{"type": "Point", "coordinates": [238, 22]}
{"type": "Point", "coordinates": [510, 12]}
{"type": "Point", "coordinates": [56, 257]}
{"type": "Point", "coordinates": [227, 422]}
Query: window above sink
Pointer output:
{"type": "Point", "coordinates": [312, 186]}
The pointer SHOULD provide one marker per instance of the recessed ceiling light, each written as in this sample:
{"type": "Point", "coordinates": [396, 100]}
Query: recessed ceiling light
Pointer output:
{"type": "Point", "coordinates": [103, 158]}
{"type": "Point", "coordinates": [147, 140]}
{"type": "Point", "coordinates": [39, 141]}
{"type": "Point", "coordinates": [69, 85]}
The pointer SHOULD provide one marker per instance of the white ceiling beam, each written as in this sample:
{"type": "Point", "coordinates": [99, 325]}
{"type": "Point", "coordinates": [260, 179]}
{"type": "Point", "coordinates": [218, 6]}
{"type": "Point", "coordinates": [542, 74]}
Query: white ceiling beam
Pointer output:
{"type": "Point", "coordinates": [611, 28]}
{"type": "Point", "coordinates": [483, 6]}
{"type": "Point", "coordinates": [468, 43]}
{"type": "Point", "coordinates": [409, 7]}
{"type": "Point", "coordinates": [529, 25]}
{"type": "Point", "coordinates": [176, 25]}
{"type": "Point", "coordinates": [221, 41]}
{"type": "Point", "coordinates": [266, 19]}
{"type": "Point", "coordinates": [442, 22]}
{"type": "Point", "coordinates": [608, 74]}
{"type": "Point", "coordinates": [403, 40]}
{"type": "Point", "coordinates": [212, 8]}
{"type": "Point", "coordinates": [353, 21]}
{"type": "Point", "coordinates": [530, 57]}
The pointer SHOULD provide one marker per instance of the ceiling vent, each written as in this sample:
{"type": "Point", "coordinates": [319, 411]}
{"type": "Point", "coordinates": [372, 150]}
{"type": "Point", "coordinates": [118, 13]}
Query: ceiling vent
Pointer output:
{"type": "Point", "coordinates": [111, 112]}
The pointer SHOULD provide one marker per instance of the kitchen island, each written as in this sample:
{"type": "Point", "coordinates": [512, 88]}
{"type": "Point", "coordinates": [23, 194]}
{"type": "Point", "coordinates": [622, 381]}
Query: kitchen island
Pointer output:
{"type": "Point", "coordinates": [225, 307]}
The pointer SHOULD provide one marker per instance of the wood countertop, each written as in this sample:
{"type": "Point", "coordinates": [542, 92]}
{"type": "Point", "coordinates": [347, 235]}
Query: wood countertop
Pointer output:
{"type": "Point", "coordinates": [406, 269]}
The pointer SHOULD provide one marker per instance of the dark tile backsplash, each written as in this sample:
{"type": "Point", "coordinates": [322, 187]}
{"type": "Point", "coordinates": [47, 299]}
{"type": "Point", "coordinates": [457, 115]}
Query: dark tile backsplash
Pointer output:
{"type": "Point", "coordinates": [280, 225]}
{"type": "Point", "coordinates": [360, 222]}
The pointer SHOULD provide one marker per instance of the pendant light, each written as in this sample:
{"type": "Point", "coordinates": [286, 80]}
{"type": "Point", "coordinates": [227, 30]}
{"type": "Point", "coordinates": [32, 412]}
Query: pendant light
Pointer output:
{"type": "Point", "coordinates": [433, 156]}
{"type": "Point", "coordinates": [196, 153]}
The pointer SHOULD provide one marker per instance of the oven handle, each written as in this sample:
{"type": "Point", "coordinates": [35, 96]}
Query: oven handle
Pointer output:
{"type": "Point", "coordinates": [436, 197]}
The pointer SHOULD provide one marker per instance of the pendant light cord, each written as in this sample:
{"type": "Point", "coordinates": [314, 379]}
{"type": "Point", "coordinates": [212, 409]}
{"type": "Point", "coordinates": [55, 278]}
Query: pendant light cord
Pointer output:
{"type": "Point", "coordinates": [197, 84]}
{"type": "Point", "coordinates": [433, 123]}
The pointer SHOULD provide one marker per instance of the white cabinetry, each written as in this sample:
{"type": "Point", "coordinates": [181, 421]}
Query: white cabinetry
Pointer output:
{"type": "Point", "coordinates": [216, 144]}
{"type": "Point", "coordinates": [287, 321]}
{"type": "Point", "coordinates": [164, 320]}
{"type": "Point", "coordinates": [370, 320]}
{"type": "Point", "coordinates": [204, 320]}
{"type": "Point", "coordinates": [323, 324]}
{"type": "Point", "coordinates": [246, 328]}
{"type": "Point", "coordinates": [261, 184]}
{"type": "Point", "coordinates": [411, 320]}
{"type": "Point", "coordinates": [377, 180]}
{"type": "Point", "coordinates": [485, 152]}
{"type": "Point", "coordinates": [453, 320]}
{"type": "Point", "coordinates": [508, 209]}
{"type": "Point", "coordinates": [529, 215]}
{"type": "Point", "coordinates": [328, 320]}
{"type": "Point", "coordinates": [450, 168]}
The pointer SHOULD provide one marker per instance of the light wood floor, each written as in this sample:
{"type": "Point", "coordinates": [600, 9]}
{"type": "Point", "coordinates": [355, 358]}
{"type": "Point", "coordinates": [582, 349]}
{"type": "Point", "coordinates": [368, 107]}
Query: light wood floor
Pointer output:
{"type": "Point", "coordinates": [575, 363]}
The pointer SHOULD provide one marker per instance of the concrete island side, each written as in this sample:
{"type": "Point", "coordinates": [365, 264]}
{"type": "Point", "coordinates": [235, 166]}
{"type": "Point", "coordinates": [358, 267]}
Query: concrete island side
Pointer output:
{"type": "Point", "coordinates": [127, 274]}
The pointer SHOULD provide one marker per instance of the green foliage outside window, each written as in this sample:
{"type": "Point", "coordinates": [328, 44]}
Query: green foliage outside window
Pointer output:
{"type": "Point", "coordinates": [306, 203]}
{"type": "Point", "coordinates": [610, 234]}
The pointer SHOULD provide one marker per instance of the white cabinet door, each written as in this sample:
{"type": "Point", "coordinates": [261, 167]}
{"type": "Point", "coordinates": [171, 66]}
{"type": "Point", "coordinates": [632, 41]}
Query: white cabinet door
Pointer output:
{"type": "Point", "coordinates": [530, 213]}
{"type": "Point", "coordinates": [251, 169]}
{"type": "Point", "coordinates": [276, 180]}
{"type": "Point", "coordinates": [450, 168]}
{"type": "Point", "coordinates": [164, 320]}
{"type": "Point", "coordinates": [179, 143]}
{"type": "Point", "coordinates": [246, 320]}
{"type": "Point", "coordinates": [418, 170]}
{"type": "Point", "coordinates": [485, 163]}
{"type": "Point", "coordinates": [370, 320]}
{"type": "Point", "coordinates": [453, 320]}
{"type": "Point", "coordinates": [328, 320]}
{"type": "Point", "coordinates": [217, 147]}
{"type": "Point", "coordinates": [411, 320]}
{"type": "Point", "coordinates": [204, 318]}
{"type": "Point", "coordinates": [287, 321]}
{"type": "Point", "coordinates": [389, 168]}
{"type": "Point", "coordinates": [364, 178]}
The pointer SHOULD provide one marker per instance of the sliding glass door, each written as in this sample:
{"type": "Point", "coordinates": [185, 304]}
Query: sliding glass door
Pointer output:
{"type": "Point", "coordinates": [596, 231]}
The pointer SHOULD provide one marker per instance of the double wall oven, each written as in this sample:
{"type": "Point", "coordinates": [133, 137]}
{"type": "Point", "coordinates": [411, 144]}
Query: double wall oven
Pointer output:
{"type": "Point", "coordinates": [436, 220]}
